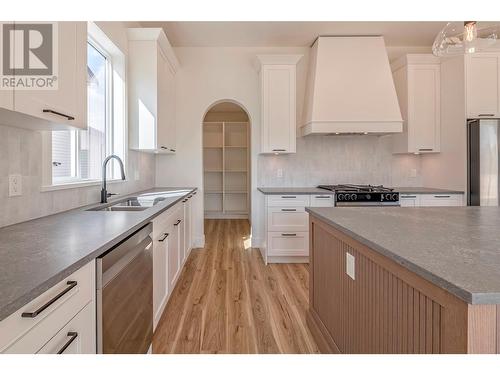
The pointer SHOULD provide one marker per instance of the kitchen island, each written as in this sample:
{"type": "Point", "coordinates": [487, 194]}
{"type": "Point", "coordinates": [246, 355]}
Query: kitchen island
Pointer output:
{"type": "Point", "coordinates": [405, 280]}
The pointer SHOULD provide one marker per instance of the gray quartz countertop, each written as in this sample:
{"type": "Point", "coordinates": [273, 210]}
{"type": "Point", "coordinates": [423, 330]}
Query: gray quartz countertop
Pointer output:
{"type": "Point", "coordinates": [37, 254]}
{"type": "Point", "coordinates": [315, 190]}
{"type": "Point", "coordinates": [455, 248]}
{"type": "Point", "coordinates": [293, 190]}
{"type": "Point", "coordinates": [426, 190]}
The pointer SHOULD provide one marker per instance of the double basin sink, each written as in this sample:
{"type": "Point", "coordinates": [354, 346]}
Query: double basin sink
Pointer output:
{"type": "Point", "coordinates": [141, 202]}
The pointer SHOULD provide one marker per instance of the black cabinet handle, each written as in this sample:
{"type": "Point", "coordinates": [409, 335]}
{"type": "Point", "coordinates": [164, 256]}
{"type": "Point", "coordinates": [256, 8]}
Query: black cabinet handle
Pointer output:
{"type": "Point", "coordinates": [322, 196]}
{"type": "Point", "coordinates": [288, 209]}
{"type": "Point", "coordinates": [486, 115]}
{"type": "Point", "coordinates": [165, 235]}
{"type": "Point", "coordinates": [288, 196]}
{"type": "Point", "coordinates": [72, 337]}
{"type": "Point", "coordinates": [178, 222]}
{"type": "Point", "coordinates": [172, 149]}
{"type": "Point", "coordinates": [184, 200]}
{"type": "Point", "coordinates": [71, 285]}
{"type": "Point", "coordinates": [288, 234]}
{"type": "Point", "coordinates": [58, 113]}
{"type": "Point", "coordinates": [279, 149]}
{"type": "Point", "coordinates": [442, 196]}
{"type": "Point", "coordinates": [190, 197]}
{"type": "Point", "coordinates": [407, 196]}
{"type": "Point", "coordinates": [425, 149]}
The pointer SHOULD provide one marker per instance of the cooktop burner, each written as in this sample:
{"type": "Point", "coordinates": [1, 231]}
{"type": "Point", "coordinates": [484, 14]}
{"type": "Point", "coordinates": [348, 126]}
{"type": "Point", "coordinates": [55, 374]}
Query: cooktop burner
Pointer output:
{"type": "Point", "coordinates": [356, 188]}
{"type": "Point", "coordinates": [363, 195]}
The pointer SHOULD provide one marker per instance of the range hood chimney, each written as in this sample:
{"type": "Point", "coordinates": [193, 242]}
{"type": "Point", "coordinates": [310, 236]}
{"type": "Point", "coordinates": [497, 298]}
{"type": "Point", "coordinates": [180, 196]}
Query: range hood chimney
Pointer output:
{"type": "Point", "coordinates": [350, 88]}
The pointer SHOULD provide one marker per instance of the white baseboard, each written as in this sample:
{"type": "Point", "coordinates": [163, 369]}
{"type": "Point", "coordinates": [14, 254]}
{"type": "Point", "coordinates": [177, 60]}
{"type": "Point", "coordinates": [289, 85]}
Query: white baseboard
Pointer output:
{"type": "Point", "coordinates": [287, 259]}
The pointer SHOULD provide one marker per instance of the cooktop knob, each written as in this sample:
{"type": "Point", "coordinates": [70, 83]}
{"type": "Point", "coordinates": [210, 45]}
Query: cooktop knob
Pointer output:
{"type": "Point", "coordinates": [340, 197]}
{"type": "Point", "coordinates": [354, 197]}
{"type": "Point", "coordinates": [395, 197]}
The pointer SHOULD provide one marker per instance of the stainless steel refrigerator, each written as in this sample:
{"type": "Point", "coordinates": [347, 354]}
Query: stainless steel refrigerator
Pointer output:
{"type": "Point", "coordinates": [483, 162]}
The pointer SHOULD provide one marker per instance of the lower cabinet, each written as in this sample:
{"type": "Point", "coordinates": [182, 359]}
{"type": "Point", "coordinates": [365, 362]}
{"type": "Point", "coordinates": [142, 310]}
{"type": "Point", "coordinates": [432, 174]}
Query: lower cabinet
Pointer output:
{"type": "Point", "coordinates": [75, 337]}
{"type": "Point", "coordinates": [431, 200]}
{"type": "Point", "coordinates": [172, 239]}
{"type": "Point", "coordinates": [65, 314]}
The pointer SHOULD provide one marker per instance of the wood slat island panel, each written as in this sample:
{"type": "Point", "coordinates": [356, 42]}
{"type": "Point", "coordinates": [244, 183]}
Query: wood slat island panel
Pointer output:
{"type": "Point", "coordinates": [387, 308]}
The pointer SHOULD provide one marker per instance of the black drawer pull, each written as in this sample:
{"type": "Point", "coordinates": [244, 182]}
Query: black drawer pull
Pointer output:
{"type": "Point", "coordinates": [442, 196]}
{"type": "Point", "coordinates": [71, 285]}
{"type": "Point", "coordinates": [288, 196]}
{"type": "Point", "coordinates": [72, 337]}
{"type": "Point", "coordinates": [178, 222]}
{"type": "Point", "coordinates": [165, 235]}
{"type": "Point", "coordinates": [408, 196]}
{"type": "Point", "coordinates": [279, 150]}
{"type": "Point", "coordinates": [58, 113]}
{"type": "Point", "coordinates": [425, 149]}
{"type": "Point", "coordinates": [288, 209]}
{"type": "Point", "coordinates": [322, 196]}
{"type": "Point", "coordinates": [486, 115]}
{"type": "Point", "coordinates": [184, 200]}
{"type": "Point", "coordinates": [190, 197]}
{"type": "Point", "coordinates": [288, 234]}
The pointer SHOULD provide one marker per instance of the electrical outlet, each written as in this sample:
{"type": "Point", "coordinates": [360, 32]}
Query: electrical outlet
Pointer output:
{"type": "Point", "coordinates": [279, 173]}
{"type": "Point", "coordinates": [350, 266]}
{"type": "Point", "coordinates": [413, 172]}
{"type": "Point", "coordinates": [15, 185]}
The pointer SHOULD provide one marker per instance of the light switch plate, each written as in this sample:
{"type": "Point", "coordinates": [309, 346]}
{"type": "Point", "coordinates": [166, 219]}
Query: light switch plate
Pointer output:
{"type": "Point", "coordinates": [350, 266]}
{"type": "Point", "coordinates": [15, 185]}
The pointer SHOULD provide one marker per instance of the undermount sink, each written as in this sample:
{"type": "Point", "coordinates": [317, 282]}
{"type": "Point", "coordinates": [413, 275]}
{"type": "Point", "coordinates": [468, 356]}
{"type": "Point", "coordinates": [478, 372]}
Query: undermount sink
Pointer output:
{"type": "Point", "coordinates": [141, 202]}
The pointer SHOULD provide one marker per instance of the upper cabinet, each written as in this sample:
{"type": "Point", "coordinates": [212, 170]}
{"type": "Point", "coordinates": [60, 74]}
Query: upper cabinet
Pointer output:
{"type": "Point", "coordinates": [51, 99]}
{"type": "Point", "coordinates": [482, 76]}
{"type": "Point", "coordinates": [152, 67]}
{"type": "Point", "coordinates": [417, 82]}
{"type": "Point", "coordinates": [278, 103]}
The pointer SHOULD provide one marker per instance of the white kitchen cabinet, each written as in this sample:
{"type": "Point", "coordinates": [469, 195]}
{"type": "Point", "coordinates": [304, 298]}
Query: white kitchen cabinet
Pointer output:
{"type": "Point", "coordinates": [188, 241]}
{"type": "Point", "coordinates": [288, 244]}
{"type": "Point", "coordinates": [151, 82]}
{"type": "Point", "coordinates": [278, 103]}
{"type": "Point", "coordinates": [409, 200]}
{"type": "Point", "coordinates": [441, 200]}
{"type": "Point", "coordinates": [75, 337]}
{"type": "Point", "coordinates": [417, 82]}
{"type": "Point", "coordinates": [61, 108]}
{"type": "Point", "coordinates": [173, 256]}
{"type": "Point", "coordinates": [482, 76]}
{"type": "Point", "coordinates": [57, 308]}
{"type": "Point", "coordinates": [322, 200]}
{"type": "Point", "coordinates": [287, 219]}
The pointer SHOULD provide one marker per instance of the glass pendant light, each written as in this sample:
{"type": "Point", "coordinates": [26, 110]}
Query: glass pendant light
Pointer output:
{"type": "Point", "coordinates": [458, 38]}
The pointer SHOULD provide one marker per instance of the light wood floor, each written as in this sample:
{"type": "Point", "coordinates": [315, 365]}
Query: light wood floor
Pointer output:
{"type": "Point", "coordinates": [228, 301]}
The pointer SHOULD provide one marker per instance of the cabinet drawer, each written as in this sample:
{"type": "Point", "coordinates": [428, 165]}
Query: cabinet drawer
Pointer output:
{"type": "Point", "coordinates": [76, 337]}
{"type": "Point", "coordinates": [409, 200]}
{"type": "Point", "coordinates": [27, 335]}
{"type": "Point", "coordinates": [440, 200]}
{"type": "Point", "coordinates": [288, 243]}
{"type": "Point", "coordinates": [287, 218]}
{"type": "Point", "coordinates": [288, 200]}
{"type": "Point", "coordinates": [322, 200]}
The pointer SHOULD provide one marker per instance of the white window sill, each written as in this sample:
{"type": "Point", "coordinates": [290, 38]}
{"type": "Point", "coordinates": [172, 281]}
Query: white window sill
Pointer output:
{"type": "Point", "coordinates": [77, 184]}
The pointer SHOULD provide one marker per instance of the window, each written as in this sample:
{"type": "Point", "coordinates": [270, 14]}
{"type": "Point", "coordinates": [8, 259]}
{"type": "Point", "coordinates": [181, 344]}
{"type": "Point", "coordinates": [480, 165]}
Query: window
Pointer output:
{"type": "Point", "coordinates": [77, 155]}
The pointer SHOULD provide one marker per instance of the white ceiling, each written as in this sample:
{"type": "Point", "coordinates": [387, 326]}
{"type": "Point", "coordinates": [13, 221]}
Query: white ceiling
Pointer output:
{"type": "Point", "coordinates": [291, 34]}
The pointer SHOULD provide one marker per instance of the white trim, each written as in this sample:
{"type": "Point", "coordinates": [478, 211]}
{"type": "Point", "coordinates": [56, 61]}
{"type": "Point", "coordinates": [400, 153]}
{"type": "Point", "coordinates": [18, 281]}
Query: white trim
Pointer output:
{"type": "Point", "coordinates": [77, 184]}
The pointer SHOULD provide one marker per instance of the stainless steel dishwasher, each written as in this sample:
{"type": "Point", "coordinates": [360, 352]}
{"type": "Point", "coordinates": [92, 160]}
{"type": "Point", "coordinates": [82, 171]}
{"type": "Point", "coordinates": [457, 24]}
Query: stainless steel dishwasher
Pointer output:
{"type": "Point", "coordinates": [125, 295]}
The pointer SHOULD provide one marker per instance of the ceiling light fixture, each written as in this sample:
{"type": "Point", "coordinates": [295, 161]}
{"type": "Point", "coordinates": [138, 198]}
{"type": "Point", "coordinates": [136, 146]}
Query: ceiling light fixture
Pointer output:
{"type": "Point", "coordinates": [458, 38]}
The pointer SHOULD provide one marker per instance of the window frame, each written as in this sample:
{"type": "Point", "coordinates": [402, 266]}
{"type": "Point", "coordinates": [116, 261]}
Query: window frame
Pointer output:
{"type": "Point", "coordinates": [98, 40]}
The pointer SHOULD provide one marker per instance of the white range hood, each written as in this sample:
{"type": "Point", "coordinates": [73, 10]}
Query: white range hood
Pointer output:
{"type": "Point", "coordinates": [350, 88]}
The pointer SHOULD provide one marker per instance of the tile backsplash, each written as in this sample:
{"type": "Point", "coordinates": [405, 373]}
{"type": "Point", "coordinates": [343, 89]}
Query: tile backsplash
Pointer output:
{"type": "Point", "coordinates": [21, 153]}
{"type": "Point", "coordinates": [340, 159]}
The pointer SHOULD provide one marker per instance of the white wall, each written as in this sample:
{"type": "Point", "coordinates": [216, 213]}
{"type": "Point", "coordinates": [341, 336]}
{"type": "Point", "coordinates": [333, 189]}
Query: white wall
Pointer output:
{"type": "Point", "coordinates": [210, 74]}
{"type": "Point", "coordinates": [21, 153]}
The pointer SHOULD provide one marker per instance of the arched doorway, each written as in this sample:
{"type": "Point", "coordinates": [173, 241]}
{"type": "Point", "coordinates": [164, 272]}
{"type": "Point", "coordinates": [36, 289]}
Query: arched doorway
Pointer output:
{"type": "Point", "coordinates": [226, 162]}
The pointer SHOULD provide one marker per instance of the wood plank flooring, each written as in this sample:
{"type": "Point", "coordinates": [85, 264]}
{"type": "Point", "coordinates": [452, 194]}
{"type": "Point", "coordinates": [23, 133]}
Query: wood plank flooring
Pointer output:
{"type": "Point", "coordinates": [228, 301]}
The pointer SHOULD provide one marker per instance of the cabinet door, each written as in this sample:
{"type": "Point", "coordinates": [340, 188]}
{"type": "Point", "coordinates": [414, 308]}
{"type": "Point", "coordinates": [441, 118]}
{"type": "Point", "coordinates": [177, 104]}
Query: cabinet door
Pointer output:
{"type": "Point", "coordinates": [482, 76]}
{"type": "Point", "coordinates": [76, 337]}
{"type": "Point", "coordinates": [182, 240]}
{"type": "Point", "coordinates": [441, 200]}
{"type": "Point", "coordinates": [278, 108]}
{"type": "Point", "coordinates": [70, 99]}
{"type": "Point", "coordinates": [166, 106]}
{"type": "Point", "coordinates": [187, 227]}
{"type": "Point", "coordinates": [424, 117]}
{"type": "Point", "coordinates": [160, 279]}
{"type": "Point", "coordinates": [287, 219]}
{"type": "Point", "coordinates": [288, 243]}
{"type": "Point", "coordinates": [173, 257]}
{"type": "Point", "coordinates": [410, 200]}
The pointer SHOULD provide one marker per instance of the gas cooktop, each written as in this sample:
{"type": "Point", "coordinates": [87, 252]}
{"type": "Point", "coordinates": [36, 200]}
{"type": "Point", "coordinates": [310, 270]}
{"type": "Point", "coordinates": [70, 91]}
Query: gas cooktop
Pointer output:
{"type": "Point", "coordinates": [363, 195]}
